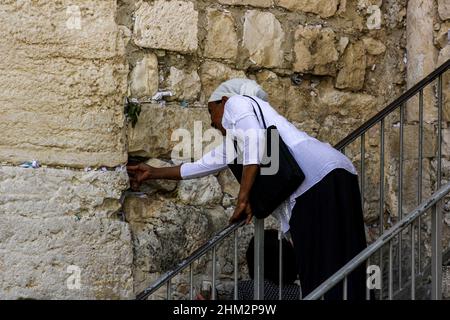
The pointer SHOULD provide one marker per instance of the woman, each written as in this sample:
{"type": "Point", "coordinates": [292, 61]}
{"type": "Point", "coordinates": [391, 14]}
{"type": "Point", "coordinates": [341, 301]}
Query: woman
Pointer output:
{"type": "Point", "coordinates": [324, 218]}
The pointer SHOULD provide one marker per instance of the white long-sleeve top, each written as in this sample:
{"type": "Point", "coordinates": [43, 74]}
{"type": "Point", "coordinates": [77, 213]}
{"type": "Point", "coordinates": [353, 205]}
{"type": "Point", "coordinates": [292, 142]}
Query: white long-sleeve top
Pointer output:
{"type": "Point", "coordinates": [315, 158]}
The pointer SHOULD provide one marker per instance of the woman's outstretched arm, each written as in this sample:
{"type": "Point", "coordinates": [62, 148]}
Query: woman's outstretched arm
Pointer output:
{"type": "Point", "coordinates": [142, 172]}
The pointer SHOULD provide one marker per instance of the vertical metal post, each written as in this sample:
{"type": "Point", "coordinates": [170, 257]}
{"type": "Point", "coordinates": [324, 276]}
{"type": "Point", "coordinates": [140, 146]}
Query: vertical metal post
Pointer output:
{"type": "Point", "coordinates": [439, 156]}
{"type": "Point", "coordinates": [436, 219]}
{"type": "Point", "coordinates": [169, 289]}
{"type": "Point", "coordinates": [436, 253]}
{"type": "Point", "coordinates": [362, 168]}
{"type": "Point", "coordinates": [419, 181]}
{"type": "Point", "coordinates": [280, 264]}
{"type": "Point", "coordinates": [391, 289]}
{"type": "Point", "coordinates": [236, 269]}
{"type": "Point", "coordinates": [191, 281]}
{"type": "Point", "coordinates": [400, 192]}
{"type": "Point", "coordinates": [381, 227]}
{"type": "Point", "coordinates": [413, 264]}
{"type": "Point", "coordinates": [213, 289]}
{"type": "Point", "coordinates": [259, 259]}
{"type": "Point", "coordinates": [344, 289]}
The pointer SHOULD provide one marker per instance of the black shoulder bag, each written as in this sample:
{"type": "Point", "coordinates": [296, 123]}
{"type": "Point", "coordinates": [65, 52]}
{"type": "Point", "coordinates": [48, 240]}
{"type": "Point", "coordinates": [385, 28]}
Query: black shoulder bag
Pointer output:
{"type": "Point", "coordinates": [269, 191]}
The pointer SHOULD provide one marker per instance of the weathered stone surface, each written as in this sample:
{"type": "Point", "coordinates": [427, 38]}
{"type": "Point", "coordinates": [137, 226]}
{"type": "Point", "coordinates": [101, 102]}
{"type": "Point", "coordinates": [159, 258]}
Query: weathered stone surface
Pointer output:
{"type": "Point", "coordinates": [36, 256]}
{"type": "Point", "coordinates": [255, 3]}
{"type": "Point", "coordinates": [170, 25]}
{"type": "Point", "coordinates": [184, 85]}
{"type": "Point", "coordinates": [324, 8]}
{"type": "Point", "coordinates": [444, 9]}
{"type": "Point", "coordinates": [315, 50]}
{"type": "Point", "coordinates": [411, 141]}
{"type": "Point", "coordinates": [200, 192]}
{"type": "Point", "coordinates": [263, 38]}
{"type": "Point", "coordinates": [58, 192]}
{"type": "Point", "coordinates": [409, 197]}
{"type": "Point", "coordinates": [343, 43]}
{"type": "Point", "coordinates": [446, 142]}
{"type": "Point", "coordinates": [152, 136]}
{"type": "Point", "coordinates": [213, 74]}
{"type": "Point", "coordinates": [221, 41]}
{"type": "Point", "coordinates": [421, 59]}
{"type": "Point", "coordinates": [275, 87]}
{"type": "Point", "coordinates": [353, 71]}
{"type": "Point", "coordinates": [145, 77]}
{"type": "Point", "coordinates": [60, 67]}
{"type": "Point", "coordinates": [165, 232]}
{"type": "Point", "coordinates": [153, 186]}
{"type": "Point", "coordinates": [441, 37]}
{"type": "Point", "coordinates": [373, 46]}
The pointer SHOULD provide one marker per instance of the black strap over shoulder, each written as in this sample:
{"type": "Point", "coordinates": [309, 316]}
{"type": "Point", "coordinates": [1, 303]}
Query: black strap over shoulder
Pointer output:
{"type": "Point", "coordinates": [260, 111]}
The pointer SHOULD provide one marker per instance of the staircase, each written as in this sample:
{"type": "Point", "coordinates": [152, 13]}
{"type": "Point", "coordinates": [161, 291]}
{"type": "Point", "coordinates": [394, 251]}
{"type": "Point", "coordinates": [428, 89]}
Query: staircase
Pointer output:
{"type": "Point", "coordinates": [412, 262]}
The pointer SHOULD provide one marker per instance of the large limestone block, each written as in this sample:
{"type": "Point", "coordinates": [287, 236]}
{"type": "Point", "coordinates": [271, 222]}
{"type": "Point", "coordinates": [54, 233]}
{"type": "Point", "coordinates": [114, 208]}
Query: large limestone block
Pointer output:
{"type": "Point", "coordinates": [184, 85]}
{"type": "Point", "coordinates": [351, 75]}
{"type": "Point", "coordinates": [213, 74]}
{"type": "Point", "coordinates": [152, 136]}
{"type": "Point", "coordinates": [221, 41]}
{"type": "Point", "coordinates": [324, 8]}
{"type": "Point", "coordinates": [254, 3]}
{"type": "Point", "coordinates": [446, 142]}
{"type": "Point", "coordinates": [145, 77]}
{"type": "Point", "coordinates": [276, 88]}
{"type": "Point", "coordinates": [263, 38]}
{"type": "Point", "coordinates": [422, 53]}
{"type": "Point", "coordinates": [411, 141]}
{"type": "Point", "coordinates": [315, 50]}
{"type": "Point", "coordinates": [169, 25]}
{"type": "Point", "coordinates": [329, 101]}
{"type": "Point", "coordinates": [57, 192]}
{"type": "Point", "coordinates": [42, 258]}
{"type": "Point", "coordinates": [62, 82]}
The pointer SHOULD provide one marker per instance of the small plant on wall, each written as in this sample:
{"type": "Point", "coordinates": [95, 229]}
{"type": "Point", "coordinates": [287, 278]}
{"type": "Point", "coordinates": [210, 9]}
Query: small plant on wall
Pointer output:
{"type": "Point", "coordinates": [132, 110]}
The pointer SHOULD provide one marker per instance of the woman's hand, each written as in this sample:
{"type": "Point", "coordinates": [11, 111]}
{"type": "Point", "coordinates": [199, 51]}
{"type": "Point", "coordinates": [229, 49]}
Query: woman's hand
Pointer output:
{"type": "Point", "coordinates": [243, 211]}
{"type": "Point", "coordinates": [138, 174]}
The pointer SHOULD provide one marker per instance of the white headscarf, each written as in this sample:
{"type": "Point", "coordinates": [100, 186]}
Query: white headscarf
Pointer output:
{"type": "Point", "coordinates": [238, 87]}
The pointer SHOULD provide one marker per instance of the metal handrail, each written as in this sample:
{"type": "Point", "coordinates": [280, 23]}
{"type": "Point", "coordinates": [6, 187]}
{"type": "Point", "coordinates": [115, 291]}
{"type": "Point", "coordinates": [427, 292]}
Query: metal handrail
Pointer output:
{"type": "Point", "coordinates": [379, 243]}
{"type": "Point", "coordinates": [392, 106]}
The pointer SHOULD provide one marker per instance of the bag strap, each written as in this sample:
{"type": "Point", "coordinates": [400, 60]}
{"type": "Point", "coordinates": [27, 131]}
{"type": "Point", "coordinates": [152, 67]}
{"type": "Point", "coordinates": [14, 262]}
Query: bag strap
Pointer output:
{"type": "Point", "coordinates": [260, 111]}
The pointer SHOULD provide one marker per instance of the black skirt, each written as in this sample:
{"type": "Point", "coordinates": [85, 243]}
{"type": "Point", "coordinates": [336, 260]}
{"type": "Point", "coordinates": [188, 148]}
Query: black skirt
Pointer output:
{"type": "Point", "coordinates": [327, 228]}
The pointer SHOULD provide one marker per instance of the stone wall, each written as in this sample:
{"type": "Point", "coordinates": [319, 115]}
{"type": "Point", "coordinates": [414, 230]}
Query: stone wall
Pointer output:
{"type": "Point", "coordinates": [63, 78]}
